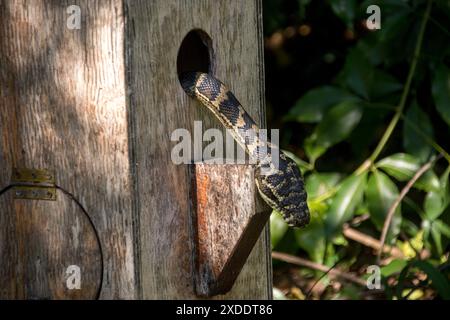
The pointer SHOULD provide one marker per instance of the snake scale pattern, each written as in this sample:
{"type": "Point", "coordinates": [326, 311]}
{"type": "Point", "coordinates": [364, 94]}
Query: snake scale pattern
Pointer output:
{"type": "Point", "coordinates": [281, 186]}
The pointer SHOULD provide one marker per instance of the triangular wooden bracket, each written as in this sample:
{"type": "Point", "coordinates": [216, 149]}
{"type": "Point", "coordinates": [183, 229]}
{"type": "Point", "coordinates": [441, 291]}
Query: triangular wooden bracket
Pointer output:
{"type": "Point", "coordinates": [228, 218]}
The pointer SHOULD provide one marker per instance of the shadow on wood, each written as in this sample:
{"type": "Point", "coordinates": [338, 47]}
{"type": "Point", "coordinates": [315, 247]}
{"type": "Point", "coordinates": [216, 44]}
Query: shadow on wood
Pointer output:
{"type": "Point", "coordinates": [228, 218]}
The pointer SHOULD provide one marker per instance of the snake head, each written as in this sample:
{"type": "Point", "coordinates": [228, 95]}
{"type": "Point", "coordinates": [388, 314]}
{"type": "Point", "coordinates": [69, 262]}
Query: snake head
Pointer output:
{"type": "Point", "coordinates": [284, 190]}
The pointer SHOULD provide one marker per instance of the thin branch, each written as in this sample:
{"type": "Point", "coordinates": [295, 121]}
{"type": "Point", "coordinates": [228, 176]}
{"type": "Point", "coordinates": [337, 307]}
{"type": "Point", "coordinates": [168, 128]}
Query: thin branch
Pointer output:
{"type": "Point", "coordinates": [440, 26]}
{"type": "Point", "coordinates": [321, 277]}
{"type": "Point", "coordinates": [317, 266]}
{"type": "Point", "coordinates": [359, 219]}
{"type": "Point", "coordinates": [370, 242]}
{"type": "Point", "coordinates": [324, 196]}
{"type": "Point", "coordinates": [405, 190]}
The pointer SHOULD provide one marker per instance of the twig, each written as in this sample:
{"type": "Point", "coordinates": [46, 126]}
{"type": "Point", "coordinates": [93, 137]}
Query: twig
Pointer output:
{"type": "Point", "coordinates": [390, 129]}
{"type": "Point", "coordinates": [440, 26]}
{"type": "Point", "coordinates": [405, 190]}
{"type": "Point", "coordinates": [317, 266]}
{"type": "Point", "coordinates": [321, 277]}
{"type": "Point", "coordinates": [370, 242]}
{"type": "Point", "coordinates": [359, 219]}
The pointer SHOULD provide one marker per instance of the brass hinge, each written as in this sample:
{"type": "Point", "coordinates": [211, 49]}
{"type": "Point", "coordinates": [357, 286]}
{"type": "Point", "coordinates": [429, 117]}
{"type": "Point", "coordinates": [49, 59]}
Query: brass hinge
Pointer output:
{"type": "Point", "coordinates": [34, 184]}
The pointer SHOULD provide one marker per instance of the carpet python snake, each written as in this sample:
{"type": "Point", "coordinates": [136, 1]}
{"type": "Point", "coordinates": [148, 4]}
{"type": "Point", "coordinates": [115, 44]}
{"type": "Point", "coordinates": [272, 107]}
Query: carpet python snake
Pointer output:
{"type": "Point", "coordinates": [281, 186]}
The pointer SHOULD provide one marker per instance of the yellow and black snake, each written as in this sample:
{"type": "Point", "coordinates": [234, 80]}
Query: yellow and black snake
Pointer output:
{"type": "Point", "coordinates": [280, 186]}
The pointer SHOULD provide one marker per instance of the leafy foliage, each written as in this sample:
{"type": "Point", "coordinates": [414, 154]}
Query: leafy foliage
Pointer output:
{"type": "Point", "coordinates": [367, 110]}
{"type": "Point", "coordinates": [343, 204]}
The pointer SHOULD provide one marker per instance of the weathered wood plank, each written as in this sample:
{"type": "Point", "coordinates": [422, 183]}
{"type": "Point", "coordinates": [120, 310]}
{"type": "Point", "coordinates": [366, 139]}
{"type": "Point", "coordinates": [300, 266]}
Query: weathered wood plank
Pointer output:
{"type": "Point", "coordinates": [40, 242]}
{"type": "Point", "coordinates": [228, 217]}
{"type": "Point", "coordinates": [159, 106]}
{"type": "Point", "coordinates": [63, 107]}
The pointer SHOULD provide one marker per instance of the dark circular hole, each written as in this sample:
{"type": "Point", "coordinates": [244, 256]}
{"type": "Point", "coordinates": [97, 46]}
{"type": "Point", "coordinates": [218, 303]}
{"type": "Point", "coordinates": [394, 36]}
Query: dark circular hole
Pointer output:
{"type": "Point", "coordinates": [195, 53]}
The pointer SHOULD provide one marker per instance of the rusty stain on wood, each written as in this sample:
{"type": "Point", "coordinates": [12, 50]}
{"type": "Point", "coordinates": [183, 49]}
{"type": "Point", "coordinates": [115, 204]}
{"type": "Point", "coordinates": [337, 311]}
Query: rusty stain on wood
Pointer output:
{"type": "Point", "coordinates": [228, 219]}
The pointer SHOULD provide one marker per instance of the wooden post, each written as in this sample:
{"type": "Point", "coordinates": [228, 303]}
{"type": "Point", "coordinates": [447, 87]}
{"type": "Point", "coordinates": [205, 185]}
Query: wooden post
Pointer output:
{"type": "Point", "coordinates": [224, 232]}
{"type": "Point", "coordinates": [93, 109]}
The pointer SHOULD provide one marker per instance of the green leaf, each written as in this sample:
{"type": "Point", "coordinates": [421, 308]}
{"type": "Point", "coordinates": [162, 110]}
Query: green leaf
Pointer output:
{"type": "Point", "coordinates": [413, 142]}
{"type": "Point", "coordinates": [426, 227]}
{"type": "Point", "coordinates": [313, 150]}
{"type": "Point", "coordinates": [438, 199]}
{"type": "Point", "coordinates": [403, 167]}
{"type": "Point", "coordinates": [337, 124]}
{"type": "Point", "coordinates": [408, 226]}
{"type": "Point", "coordinates": [362, 78]}
{"type": "Point", "coordinates": [312, 106]}
{"type": "Point", "coordinates": [319, 183]}
{"type": "Point", "coordinates": [436, 234]}
{"type": "Point", "coordinates": [278, 228]}
{"type": "Point", "coordinates": [433, 205]}
{"type": "Point", "coordinates": [356, 73]}
{"type": "Point", "coordinates": [381, 193]}
{"type": "Point", "coordinates": [383, 84]}
{"type": "Point", "coordinates": [303, 165]}
{"type": "Point", "coordinates": [442, 227]}
{"type": "Point", "coordinates": [395, 266]}
{"type": "Point", "coordinates": [441, 91]}
{"type": "Point", "coordinates": [428, 181]}
{"type": "Point", "coordinates": [312, 240]}
{"type": "Point", "coordinates": [439, 228]}
{"type": "Point", "coordinates": [345, 10]}
{"type": "Point", "coordinates": [344, 202]}
{"type": "Point", "coordinates": [362, 137]}
{"type": "Point", "coordinates": [371, 46]}
{"type": "Point", "coordinates": [397, 27]}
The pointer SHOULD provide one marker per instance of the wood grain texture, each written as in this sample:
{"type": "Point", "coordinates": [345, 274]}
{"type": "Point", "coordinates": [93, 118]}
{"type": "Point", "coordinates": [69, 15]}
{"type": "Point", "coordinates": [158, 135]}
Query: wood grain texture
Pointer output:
{"type": "Point", "coordinates": [39, 241]}
{"type": "Point", "coordinates": [228, 217]}
{"type": "Point", "coordinates": [155, 31]}
{"type": "Point", "coordinates": [63, 107]}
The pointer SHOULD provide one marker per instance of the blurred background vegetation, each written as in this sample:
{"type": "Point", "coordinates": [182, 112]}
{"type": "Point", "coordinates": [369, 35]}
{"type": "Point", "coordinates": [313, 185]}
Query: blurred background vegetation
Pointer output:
{"type": "Point", "coordinates": [366, 115]}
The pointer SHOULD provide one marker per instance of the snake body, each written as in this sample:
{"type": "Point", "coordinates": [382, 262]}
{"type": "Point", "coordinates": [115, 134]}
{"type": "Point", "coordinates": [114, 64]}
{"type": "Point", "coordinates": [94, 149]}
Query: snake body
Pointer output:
{"type": "Point", "coordinates": [281, 186]}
